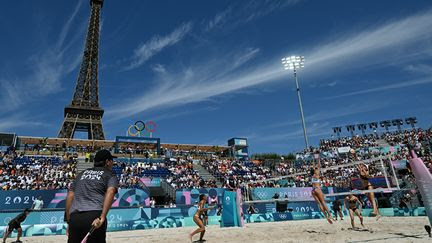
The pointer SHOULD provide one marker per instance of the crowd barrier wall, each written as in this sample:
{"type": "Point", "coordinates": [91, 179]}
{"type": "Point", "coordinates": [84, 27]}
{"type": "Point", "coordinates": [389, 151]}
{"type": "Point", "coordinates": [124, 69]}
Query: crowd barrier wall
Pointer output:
{"type": "Point", "coordinates": [119, 219]}
{"type": "Point", "coordinates": [297, 193]}
{"type": "Point", "coordinates": [21, 199]}
{"type": "Point", "coordinates": [191, 196]}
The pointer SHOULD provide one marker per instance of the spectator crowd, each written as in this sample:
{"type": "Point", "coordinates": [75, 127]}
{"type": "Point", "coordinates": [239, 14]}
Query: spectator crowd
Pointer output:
{"type": "Point", "coordinates": [35, 173]}
{"type": "Point", "coordinates": [337, 156]}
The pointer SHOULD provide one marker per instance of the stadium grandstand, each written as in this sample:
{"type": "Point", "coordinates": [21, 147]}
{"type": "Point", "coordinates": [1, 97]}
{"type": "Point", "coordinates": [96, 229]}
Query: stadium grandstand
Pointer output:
{"type": "Point", "coordinates": [60, 187]}
{"type": "Point", "coordinates": [182, 165]}
{"type": "Point", "coordinates": [47, 166]}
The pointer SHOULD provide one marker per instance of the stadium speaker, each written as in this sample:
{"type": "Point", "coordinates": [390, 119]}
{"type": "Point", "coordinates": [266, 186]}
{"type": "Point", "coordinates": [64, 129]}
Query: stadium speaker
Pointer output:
{"type": "Point", "coordinates": [281, 207]}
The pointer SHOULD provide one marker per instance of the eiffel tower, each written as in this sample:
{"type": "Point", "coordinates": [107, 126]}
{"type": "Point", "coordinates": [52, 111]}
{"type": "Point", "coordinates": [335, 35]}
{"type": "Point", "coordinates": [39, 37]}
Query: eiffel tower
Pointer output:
{"type": "Point", "coordinates": [84, 113]}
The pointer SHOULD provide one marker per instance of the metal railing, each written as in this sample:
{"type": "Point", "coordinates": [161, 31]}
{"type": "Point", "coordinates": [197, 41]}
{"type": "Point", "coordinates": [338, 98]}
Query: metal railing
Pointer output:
{"type": "Point", "coordinates": [168, 189]}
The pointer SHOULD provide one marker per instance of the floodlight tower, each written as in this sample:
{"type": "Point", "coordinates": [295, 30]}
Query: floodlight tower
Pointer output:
{"type": "Point", "coordinates": [351, 129]}
{"type": "Point", "coordinates": [337, 130]}
{"type": "Point", "coordinates": [386, 124]}
{"type": "Point", "coordinates": [374, 127]}
{"type": "Point", "coordinates": [398, 123]}
{"type": "Point", "coordinates": [411, 121]}
{"type": "Point", "coordinates": [295, 63]}
{"type": "Point", "coordinates": [362, 127]}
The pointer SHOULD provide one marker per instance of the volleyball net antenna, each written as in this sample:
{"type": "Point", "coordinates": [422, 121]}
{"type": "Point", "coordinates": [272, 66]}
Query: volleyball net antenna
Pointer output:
{"type": "Point", "coordinates": [381, 166]}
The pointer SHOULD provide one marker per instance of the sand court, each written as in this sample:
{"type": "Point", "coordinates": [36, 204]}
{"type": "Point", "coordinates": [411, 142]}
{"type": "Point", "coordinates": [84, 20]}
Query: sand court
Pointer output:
{"type": "Point", "coordinates": [387, 229]}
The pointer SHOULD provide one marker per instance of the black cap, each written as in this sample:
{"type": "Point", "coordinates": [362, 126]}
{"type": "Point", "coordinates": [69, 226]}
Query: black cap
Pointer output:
{"type": "Point", "coordinates": [101, 156]}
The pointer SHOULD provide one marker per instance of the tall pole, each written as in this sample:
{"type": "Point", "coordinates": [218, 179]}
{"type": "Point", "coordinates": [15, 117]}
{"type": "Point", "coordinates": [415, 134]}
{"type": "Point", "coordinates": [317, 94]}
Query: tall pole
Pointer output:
{"type": "Point", "coordinates": [385, 173]}
{"type": "Point", "coordinates": [394, 173]}
{"type": "Point", "coordinates": [301, 110]}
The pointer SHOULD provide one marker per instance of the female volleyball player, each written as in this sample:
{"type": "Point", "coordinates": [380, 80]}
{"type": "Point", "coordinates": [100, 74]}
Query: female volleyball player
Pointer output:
{"type": "Point", "coordinates": [317, 193]}
{"type": "Point", "coordinates": [351, 202]}
{"type": "Point", "coordinates": [364, 176]}
{"type": "Point", "coordinates": [197, 217]}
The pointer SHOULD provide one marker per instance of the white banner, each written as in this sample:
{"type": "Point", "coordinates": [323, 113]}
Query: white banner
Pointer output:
{"type": "Point", "coordinates": [344, 150]}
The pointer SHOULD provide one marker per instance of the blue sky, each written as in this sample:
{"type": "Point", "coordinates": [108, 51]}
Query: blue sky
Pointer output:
{"type": "Point", "coordinates": [206, 71]}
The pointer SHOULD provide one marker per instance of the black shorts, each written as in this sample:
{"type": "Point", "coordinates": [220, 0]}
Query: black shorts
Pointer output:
{"type": "Point", "coordinates": [13, 225]}
{"type": "Point", "coordinates": [80, 224]}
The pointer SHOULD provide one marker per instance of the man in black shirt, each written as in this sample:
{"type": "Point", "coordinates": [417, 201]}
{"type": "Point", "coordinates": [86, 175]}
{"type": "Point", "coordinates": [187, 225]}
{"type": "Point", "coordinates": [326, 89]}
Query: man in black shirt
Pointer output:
{"type": "Point", "coordinates": [16, 224]}
{"type": "Point", "coordinates": [89, 199]}
{"type": "Point", "coordinates": [337, 209]}
{"type": "Point", "coordinates": [231, 184]}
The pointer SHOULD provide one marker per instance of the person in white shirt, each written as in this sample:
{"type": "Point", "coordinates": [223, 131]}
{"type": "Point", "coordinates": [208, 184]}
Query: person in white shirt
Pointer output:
{"type": "Point", "coordinates": [38, 204]}
{"type": "Point", "coordinates": [152, 203]}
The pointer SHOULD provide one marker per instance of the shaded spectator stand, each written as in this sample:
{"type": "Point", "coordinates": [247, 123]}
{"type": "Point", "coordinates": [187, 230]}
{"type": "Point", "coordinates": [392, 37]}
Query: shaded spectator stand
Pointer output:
{"type": "Point", "coordinates": [239, 147]}
{"type": "Point", "coordinates": [7, 140]}
{"type": "Point", "coordinates": [137, 140]}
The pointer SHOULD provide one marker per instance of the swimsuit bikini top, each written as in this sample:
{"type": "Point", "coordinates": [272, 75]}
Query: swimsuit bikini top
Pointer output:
{"type": "Point", "coordinates": [315, 180]}
{"type": "Point", "coordinates": [352, 201]}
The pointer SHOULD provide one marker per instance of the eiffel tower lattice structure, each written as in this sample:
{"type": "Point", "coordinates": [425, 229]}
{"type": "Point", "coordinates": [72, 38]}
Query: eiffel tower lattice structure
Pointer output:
{"type": "Point", "coordinates": [84, 114]}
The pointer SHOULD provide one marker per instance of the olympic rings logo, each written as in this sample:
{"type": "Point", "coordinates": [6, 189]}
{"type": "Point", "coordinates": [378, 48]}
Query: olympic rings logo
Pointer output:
{"type": "Point", "coordinates": [139, 128]}
{"type": "Point", "coordinates": [227, 200]}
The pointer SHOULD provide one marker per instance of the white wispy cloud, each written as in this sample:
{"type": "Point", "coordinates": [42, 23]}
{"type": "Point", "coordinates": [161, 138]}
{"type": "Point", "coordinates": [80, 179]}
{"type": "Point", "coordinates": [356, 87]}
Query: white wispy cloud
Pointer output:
{"type": "Point", "coordinates": [332, 113]}
{"type": "Point", "coordinates": [66, 27]}
{"type": "Point", "coordinates": [243, 12]}
{"type": "Point", "coordinates": [216, 76]}
{"type": "Point", "coordinates": [258, 8]}
{"type": "Point", "coordinates": [419, 68]}
{"type": "Point", "coordinates": [375, 45]}
{"type": "Point", "coordinates": [158, 68]}
{"type": "Point", "coordinates": [47, 67]}
{"type": "Point", "coordinates": [156, 44]}
{"type": "Point", "coordinates": [245, 57]}
{"type": "Point", "coordinates": [17, 120]}
{"type": "Point", "coordinates": [219, 19]}
{"type": "Point", "coordinates": [314, 130]}
{"type": "Point", "coordinates": [318, 125]}
{"type": "Point", "coordinates": [398, 85]}
{"type": "Point", "coordinates": [198, 82]}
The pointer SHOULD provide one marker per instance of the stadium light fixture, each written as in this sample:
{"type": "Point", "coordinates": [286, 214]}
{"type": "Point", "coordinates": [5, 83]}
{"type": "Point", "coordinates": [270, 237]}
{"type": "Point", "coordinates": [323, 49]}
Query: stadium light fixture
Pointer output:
{"type": "Point", "coordinates": [351, 129]}
{"type": "Point", "coordinates": [374, 126]}
{"type": "Point", "coordinates": [411, 121]}
{"type": "Point", "coordinates": [295, 63]}
{"type": "Point", "coordinates": [386, 124]}
{"type": "Point", "coordinates": [362, 127]}
{"type": "Point", "coordinates": [337, 130]}
{"type": "Point", "coordinates": [397, 123]}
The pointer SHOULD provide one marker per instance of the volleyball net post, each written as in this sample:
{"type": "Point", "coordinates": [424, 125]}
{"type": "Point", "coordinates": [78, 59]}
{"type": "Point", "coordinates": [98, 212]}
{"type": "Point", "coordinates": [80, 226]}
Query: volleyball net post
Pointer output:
{"type": "Point", "coordinates": [424, 182]}
{"type": "Point", "coordinates": [232, 212]}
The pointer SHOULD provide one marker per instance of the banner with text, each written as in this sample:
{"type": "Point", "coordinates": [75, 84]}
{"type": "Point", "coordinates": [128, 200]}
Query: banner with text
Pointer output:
{"type": "Point", "coordinates": [191, 196]}
{"type": "Point", "coordinates": [21, 199]}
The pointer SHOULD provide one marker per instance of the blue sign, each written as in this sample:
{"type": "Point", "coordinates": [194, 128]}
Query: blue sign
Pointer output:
{"type": "Point", "coordinates": [191, 196]}
{"type": "Point", "coordinates": [301, 207]}
{"type": "Point", "coordinates": [52, 223]}
{"type": "Point", "coordinates": [267, 193]}
{"type": "Point", "coordinates": [21, 199]}
{"type": "Point", "coordinates": [230, 217]}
